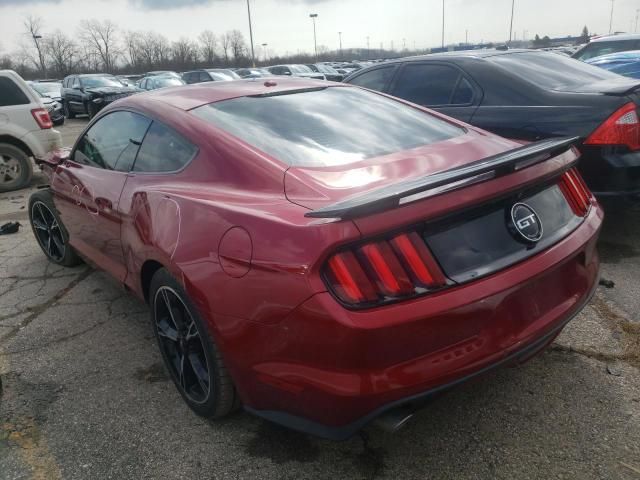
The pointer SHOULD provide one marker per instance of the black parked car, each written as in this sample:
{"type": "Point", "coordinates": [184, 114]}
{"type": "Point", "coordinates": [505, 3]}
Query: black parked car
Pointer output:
{"type": "Point", "coordinates": [529, 95]}
{"type": "Point", "coordinates": [209, 75]}
{"type": "Point", "coordinates": [89, 93]}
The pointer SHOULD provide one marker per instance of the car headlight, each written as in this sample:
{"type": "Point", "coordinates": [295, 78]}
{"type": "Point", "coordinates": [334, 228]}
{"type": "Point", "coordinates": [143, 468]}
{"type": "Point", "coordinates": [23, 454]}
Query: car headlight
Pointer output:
{"type": "Point", "coordinates": [98, 100]}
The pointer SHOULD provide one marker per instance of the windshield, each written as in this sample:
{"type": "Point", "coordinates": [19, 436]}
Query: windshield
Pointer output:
{"type": "Point", "coordinates": [91, 82]}
{"type": "Point", "coordinates": [49, 89]}
{"type": "Point", "coordinates": [300, 69]}
{"type": "Point", "coordinates": [301, 128]}
{"type": "Point", "coordinates": [551, 71]}
{"type": "Point", "coordinates": [326, 69]}
{"type": "Point", "coordinates": [225, 74]}
{"type": "Point", "coordinates": [597, 49]}
{"type": "Point", "coordinates": [168, 82]}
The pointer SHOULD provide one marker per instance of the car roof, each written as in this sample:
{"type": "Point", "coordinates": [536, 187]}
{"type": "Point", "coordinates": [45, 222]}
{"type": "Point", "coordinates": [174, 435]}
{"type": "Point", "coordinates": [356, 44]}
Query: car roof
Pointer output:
{"type": "Point", "coordinates": [616, 37]}
{"type": "Point", "coordinates": [192, 96]}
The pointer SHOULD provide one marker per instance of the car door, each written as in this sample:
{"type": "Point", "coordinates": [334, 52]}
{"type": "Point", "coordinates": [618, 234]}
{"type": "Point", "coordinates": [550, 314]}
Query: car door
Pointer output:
{"type": "Point", "coordinates": [75, 95]}
{"type": "Point", "coordinates": [88, 185]}
{"type": "Point", "coordinates": [442, 87]}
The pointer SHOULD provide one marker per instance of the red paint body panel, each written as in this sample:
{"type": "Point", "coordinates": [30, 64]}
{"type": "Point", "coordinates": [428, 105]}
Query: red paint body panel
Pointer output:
{"type": "Point", "coordinates": [289, 345]}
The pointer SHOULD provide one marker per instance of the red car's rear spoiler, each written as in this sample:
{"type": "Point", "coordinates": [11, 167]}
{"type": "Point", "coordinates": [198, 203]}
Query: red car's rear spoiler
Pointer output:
{"type": "Point", "coordinates": [485, 169]}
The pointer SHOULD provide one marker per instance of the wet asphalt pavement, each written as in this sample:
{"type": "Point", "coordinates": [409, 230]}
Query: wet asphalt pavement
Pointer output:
{"type": "Point", "coordinates": [85, 395]}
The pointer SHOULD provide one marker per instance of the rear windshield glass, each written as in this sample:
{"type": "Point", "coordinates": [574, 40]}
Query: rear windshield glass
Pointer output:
{"type": "Point", "coordinates": [552, 71]}
{"type": "Point", "coordinates": [331, 126]}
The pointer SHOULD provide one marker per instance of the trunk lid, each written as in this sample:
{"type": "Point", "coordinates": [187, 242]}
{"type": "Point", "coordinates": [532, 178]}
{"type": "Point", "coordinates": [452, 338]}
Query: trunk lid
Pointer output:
{"type": "Point", "coordinates": [618, 87]}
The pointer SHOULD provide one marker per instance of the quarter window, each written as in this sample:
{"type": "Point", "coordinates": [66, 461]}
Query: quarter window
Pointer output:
{"type": "Point", "coordinates": [430, 84]}
{"type": "Point", "coordinates": [377, 79]}
{"type": "Point", "coordinates": [112, 143]}
{"type": "Point", "coordinates": [163, 150]}
{"type": "Point", "coordinates": [11, 94]}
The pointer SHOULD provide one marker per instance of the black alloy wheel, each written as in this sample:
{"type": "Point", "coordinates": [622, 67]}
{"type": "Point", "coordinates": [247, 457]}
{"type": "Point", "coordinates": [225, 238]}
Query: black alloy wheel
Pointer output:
{"type": "Point", "coordinates": [181, 344]}
{"type": "Point", "coordinates": [188, 349]}
{"type": "Point", "coordinates": [47, 231]}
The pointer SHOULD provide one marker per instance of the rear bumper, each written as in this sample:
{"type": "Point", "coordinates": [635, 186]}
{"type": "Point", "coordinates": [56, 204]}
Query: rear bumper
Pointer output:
{"type": "Point", "coordinates": [329, 371]}
{"type": "Point", "coordinates": [609, 171]}
{"type": "Point", "coordinates": [343, 432]}
{"type": "Point", "coordinates": [42, 142]}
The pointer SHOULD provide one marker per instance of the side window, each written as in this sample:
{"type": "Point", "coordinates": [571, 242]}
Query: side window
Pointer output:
{"type": "Point", "coordinates": [112, 143]}
{"type": "Point", "coordinates": [377, 79]}
{"type": "Point", "coordinates": [427, 84]}
{"type": "Point", "coordinates": [463, 94]}
{"type": "Point", "coordinates": [205, 77]}
{"type": "Point", "coordinates": [76, 82]}
{"type": "Point", "coordinates": [163, 150]}
{"type": "Point", "coordinates": [143, 83]}
{"type": "Point", "coordinates": [11, 94]}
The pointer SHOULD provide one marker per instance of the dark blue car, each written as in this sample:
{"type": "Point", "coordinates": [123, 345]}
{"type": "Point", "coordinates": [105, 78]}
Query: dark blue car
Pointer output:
{"type": "Point", "coordinates": [529, 95]}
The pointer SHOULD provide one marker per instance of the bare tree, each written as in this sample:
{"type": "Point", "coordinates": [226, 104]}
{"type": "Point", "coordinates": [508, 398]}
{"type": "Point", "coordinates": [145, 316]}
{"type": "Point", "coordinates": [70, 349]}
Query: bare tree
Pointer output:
{"type": "Point", "coordinates": [225, 42]}
{"type": "Point", "coordinates": [33, 28]}
{"type": "Point", "coordinates": [208, 45]}
{"type": "Point", "coordinates": [101, 38]}
{"type": "Point", "coordinates": [62, 51]}
{"type": "Point", "coordinates": [132, 42]}
{"type": "Point", "coordinates": [185, 53]}
{"type": "Point", "coordinates": [238, 44]}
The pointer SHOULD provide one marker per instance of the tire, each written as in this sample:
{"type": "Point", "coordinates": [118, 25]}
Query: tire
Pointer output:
{"type": "Point", "coordinates": [16, 169]}
{"type": "Point", "coordinates": [67, 110]}
{"type": "Point", "coordinates": [46, 224]}
{"type": "Point", "coordinates": [213, 398]}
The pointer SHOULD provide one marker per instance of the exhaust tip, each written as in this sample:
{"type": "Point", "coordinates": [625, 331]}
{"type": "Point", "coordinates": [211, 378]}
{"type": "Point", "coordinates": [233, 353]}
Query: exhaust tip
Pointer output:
{"type": "Point", "coordinates": [394, 420]}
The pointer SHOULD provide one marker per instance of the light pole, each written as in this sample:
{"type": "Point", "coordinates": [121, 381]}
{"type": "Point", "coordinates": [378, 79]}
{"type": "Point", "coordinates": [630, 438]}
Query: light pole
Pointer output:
{"type": "Point", "coordinates": [637, 13]}
{"type": "Point", "coordinates": [513, 2]}
{"type": "Point", "coordinates": [253, 56]}
{"type": "Point", "coordinates": [42, 65]}
{"type": "Point", "coordinates": [367, 48]}
{"type": "Point", "coordinates": [264, 51]}
{"type": "Point", "coordinates": [611, 17]}
{"type": "Point", "coordinates": [443, 24]}
{"type": "Point", "coordinates": [340, 36]}
{"type": "Point", "coordinates": [313, 17]}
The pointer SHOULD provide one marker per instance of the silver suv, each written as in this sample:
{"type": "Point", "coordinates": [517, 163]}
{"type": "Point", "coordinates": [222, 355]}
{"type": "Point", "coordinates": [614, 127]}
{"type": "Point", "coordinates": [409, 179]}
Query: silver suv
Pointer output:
{"type": "Point", "coordinates": [26, 131]}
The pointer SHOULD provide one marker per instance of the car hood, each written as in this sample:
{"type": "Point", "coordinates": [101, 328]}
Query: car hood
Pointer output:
{"type": "Point", "coordinates": [112, 90]}
{"type": "Point", "coordinates": [315, 187]}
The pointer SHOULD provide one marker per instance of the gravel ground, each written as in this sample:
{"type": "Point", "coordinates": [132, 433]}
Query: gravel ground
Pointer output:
{"type": "Point", "coordinates": [85, 395]}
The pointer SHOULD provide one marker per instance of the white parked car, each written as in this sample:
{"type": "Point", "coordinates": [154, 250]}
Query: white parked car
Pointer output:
{"type": "Point", "coordinates": [26, 131]}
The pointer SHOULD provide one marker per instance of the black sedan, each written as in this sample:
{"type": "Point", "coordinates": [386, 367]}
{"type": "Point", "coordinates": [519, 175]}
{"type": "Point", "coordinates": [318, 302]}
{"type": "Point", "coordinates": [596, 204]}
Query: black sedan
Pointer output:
{"type": "Point", "coordinates": [89, 93]}
{"type": "Point", "coordinates": [528, 95]}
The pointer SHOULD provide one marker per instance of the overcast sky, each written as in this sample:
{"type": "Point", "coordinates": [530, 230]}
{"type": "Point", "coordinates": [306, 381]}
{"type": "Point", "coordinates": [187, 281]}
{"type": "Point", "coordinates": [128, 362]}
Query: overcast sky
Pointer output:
{"type": "Point", "coordinates": [285, 24]}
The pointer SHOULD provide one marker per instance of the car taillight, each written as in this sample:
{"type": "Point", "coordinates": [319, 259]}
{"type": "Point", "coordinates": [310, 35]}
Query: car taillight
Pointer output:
{"type": "Point", "coordinates": [384, 270]}
{"type": "Point", "coordinates": [42, 118]}
{"type": "Point", "coordinates": [621, 128]}
{"type": "Point", "coordinates": [576, 192]}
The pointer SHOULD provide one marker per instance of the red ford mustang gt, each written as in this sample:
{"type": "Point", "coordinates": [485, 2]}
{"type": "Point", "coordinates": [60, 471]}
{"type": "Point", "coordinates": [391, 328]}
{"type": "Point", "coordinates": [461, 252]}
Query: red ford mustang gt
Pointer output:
{"type": "Point", "coordinates": [323, 270]}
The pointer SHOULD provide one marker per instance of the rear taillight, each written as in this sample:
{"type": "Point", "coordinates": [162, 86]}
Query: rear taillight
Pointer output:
{"type": "Point", "coordinates": [621, 128]}
{"type": "Point", "coordinates": [383, 270]}
{"type": "Point", "coordinates": [576, 192]}
{"type": "Point", "coordinates": [42, 118]}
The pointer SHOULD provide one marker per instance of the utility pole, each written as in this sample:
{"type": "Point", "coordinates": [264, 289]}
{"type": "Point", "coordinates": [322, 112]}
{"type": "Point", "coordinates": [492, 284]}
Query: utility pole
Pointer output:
{"type": "Point", "coordinates": [637, 13]}
{"type": "Point", "coordinates": [264, 51]}
{"type": "Point", "coordinates": [511, 27]}
{"type": "Point", "coordinates": [367, 48]}
{"type": "Point", "coordinates": [253, 56]}
{"type": "Point", "coordinates": [392, 45]}
{"type": "Point", "coordinates": [613, 2]}
{"type": "Point", "coordinates": [466, 36]}
{"type": "Point", "coordinates": [443, 24]}
{"type": "Point", "coordinates": [313, 17]}
{"type": "Point", "coordinates": [340, 36]}
{"type": "Point", "coordinates": [404, 44]}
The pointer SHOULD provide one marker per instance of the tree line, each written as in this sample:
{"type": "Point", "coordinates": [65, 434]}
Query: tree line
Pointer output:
{"type": "Point", "coordinates": [101, 46]}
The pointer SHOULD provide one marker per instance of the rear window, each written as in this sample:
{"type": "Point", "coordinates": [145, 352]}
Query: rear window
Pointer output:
{"type": "Point", "coordinates": [11, 94]}
{"type": "Point", "coordinates": [551, 71]}
{"type": "Point", "coordinates": [328, 126]}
